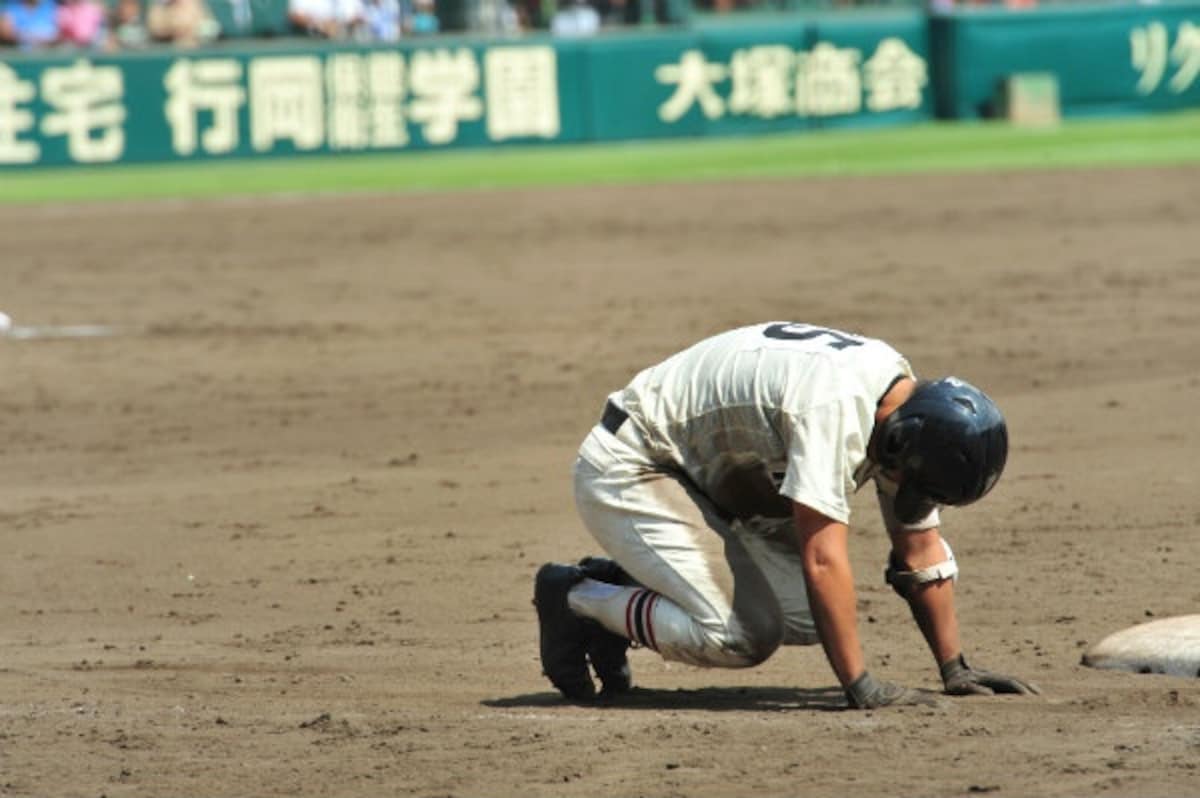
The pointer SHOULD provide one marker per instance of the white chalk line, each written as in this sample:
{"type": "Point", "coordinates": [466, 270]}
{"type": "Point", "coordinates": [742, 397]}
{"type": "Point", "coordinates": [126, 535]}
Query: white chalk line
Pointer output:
{"type": "Point", "coordinates": [62, 331]}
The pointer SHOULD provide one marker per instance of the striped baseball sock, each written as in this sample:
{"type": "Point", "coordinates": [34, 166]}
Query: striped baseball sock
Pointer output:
{"type": "Point", "coordinates": [632, 612]}
{"type": "Point", "coordinates": [652, 620]}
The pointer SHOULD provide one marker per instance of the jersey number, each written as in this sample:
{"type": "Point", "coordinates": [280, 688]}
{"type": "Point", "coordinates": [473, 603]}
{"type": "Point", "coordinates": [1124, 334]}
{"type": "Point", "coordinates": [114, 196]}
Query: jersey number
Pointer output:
{"type": "Point", "coordinates": [803, 332]}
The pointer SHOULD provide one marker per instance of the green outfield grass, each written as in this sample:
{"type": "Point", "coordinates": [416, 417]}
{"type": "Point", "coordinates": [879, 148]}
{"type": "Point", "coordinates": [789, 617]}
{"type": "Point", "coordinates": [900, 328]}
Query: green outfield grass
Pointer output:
{"type": "Point", "coordinates": [1142, 141]}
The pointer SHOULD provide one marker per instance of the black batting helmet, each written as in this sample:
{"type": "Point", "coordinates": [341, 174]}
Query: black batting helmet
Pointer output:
{"type": "Point", "coordinates": [948, 442]}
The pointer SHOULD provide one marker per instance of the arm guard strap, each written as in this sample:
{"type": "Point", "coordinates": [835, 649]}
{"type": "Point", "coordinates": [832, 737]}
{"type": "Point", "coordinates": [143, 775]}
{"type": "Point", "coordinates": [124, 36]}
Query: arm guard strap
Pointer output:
{"type": "Point", "coordinates": [905, 582]}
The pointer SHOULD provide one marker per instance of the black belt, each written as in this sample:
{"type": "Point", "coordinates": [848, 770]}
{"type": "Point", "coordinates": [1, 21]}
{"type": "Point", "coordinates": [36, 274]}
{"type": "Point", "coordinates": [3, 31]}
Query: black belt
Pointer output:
{"type": "Point", "coordinates": [613, 417]}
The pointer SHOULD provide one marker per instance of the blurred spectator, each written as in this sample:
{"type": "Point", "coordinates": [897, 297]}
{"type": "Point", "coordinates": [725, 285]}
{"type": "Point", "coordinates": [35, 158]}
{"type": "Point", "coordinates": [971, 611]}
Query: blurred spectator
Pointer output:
{"type": "Point", "coordinates": [381, 19]}
{"type": "Point", "coordinates": [663, 12]}
{"type": "Point", "coordinates": [327, 19]}
{"type": "Point", "coordinates": [81, 23]}
{"type": "Point", "coordinates": [184, 23]}
{"type": "Point", "coordinates": [577, 18]}
{"type": "Point", "coordinates": [127, 31]}
{"type": "Point", "coordinates": [424, 19]}
{"type": "Point", "coordinates": [614, 12]}
{"type": "Point", "coordinates": [496, 17]}
{"type": "Point", "coordinates": [29, 24]}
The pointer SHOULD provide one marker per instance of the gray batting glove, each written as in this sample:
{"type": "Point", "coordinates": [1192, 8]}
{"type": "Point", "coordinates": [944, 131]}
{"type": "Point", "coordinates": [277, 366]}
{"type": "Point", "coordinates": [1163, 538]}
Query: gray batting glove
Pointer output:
{"type": "Point", "coordinates": [867, 692]}
{"type": "Point", "coordinates": [961, 679]}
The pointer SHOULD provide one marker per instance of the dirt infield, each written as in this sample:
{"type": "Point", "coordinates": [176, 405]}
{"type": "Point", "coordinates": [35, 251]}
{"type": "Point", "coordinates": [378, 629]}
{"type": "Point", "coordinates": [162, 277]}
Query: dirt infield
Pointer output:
{"type": "Point", "coordinates": [277, 537]}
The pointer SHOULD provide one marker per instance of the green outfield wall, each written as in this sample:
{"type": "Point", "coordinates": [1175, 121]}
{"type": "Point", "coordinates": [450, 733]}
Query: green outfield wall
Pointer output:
{"type": "Point", "coordinates": [785, 73]}
{"type": "Point", "coordinates": [1107, 59]}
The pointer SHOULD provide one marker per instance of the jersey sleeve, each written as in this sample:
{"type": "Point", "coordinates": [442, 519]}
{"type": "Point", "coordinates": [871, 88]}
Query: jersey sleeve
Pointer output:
{"type": "Point", "coordinates": [824, 447]}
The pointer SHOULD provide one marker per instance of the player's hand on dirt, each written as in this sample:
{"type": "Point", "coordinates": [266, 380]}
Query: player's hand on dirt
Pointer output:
{"type": "Point", "coordinates": [961, 679]}
{"type": "Point", "coordinates": [867, 692]}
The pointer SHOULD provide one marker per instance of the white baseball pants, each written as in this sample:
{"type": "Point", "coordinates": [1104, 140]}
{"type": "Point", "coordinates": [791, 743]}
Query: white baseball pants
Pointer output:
{"type": "Point", "coordinates": [712, 592]}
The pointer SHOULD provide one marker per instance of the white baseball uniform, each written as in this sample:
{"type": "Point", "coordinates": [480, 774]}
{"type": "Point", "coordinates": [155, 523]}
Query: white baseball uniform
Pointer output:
{"type": "Point", "coordinates": [689, 482]}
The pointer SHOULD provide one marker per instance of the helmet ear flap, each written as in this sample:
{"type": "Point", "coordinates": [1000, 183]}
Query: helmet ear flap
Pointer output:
{"type": "Point", "coordinates": [896, 439]}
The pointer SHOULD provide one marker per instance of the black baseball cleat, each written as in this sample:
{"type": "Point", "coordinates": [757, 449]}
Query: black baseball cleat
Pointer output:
{"type": "Point", "coordinates": [607, 651]}
{"type": "Point", "coordinates": [563, 634]}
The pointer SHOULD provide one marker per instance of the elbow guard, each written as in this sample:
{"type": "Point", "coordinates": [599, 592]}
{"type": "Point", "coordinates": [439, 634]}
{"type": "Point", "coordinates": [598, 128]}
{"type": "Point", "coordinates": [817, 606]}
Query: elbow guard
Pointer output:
{"type": "Point", "coordinates": [905, 582]}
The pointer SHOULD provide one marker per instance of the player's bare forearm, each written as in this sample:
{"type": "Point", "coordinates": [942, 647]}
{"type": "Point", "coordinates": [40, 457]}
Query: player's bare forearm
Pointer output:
{"type": "Point", "coordinates": [830, 582]}
{"type": "Point", "coordinates": [933, 609]}
{"type": "Point", "coordinates": [833, 610]}
{"type": "Point", "coordinates": [932, 603]}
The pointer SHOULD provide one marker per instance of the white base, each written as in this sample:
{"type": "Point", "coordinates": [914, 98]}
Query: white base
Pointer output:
{"type": "Point", "coordinates": [1170, 646]}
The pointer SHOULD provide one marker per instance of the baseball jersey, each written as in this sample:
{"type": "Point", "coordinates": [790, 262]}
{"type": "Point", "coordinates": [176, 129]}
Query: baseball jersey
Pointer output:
{"type": "Point", "coordinates": [765, 415]}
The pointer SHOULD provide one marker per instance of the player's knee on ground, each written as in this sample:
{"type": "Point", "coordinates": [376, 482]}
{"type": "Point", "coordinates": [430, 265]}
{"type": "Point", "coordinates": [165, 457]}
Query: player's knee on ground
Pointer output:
{"type": "Point", "coordinates": [715, 644]}
{"type": "Point", "coordinates": [711, 635]}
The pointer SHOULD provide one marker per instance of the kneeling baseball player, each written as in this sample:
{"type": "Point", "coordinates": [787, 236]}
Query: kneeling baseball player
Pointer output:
{"type": "Point", "coordinates": [718, 483]}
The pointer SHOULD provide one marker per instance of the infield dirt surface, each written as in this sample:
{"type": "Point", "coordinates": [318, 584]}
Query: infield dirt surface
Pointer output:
{"type": "Point", "coordinates": [278, 535]}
